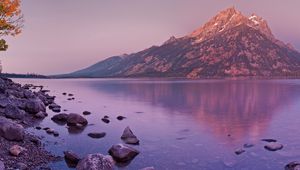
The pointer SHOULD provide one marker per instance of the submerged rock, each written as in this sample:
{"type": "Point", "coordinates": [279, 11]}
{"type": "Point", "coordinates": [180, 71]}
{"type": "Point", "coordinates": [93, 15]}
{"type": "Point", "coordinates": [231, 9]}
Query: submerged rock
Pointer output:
{"type": "Point", "coordinates": [76, 120]}
{"type": "Point", "coordinates": [97, 135]}
{"type": "Point", "coordinates": [62, 117]}
{"type": "Point", "coordinates": [105, 120]}
{"type": "Point", "coordinates": [71, 158]}
{"type": "Point", "coordinates": [34, 106]}
{"type": "Point", "coordinates": [95, 162]}
{"type": "Point", "coordinates": [121, 117]}
{"type": "Point", "coordinates": [292, 166]}
{"type": "Point", "coordinates": [86, 113]}
{"type": "Point", "coordinates": [248, 145]}
{"type": "Point", "coordinates": [269, 140]}
{"type": "Point", "coordinates": [122, 153]}
{"type": "Point", "coordinates": [128, 137]}
{"type": "Point", "coordinates": [239, 151]}
{"type": "Point", "coordinates": [10, 130]}
{"type": "Point", "coordinates": [273, 146]}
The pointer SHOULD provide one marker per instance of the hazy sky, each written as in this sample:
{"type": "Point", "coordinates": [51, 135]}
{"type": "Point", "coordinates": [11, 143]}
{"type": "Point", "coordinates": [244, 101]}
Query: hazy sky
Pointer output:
{"type": "Point", "coordinates": [65, 35]}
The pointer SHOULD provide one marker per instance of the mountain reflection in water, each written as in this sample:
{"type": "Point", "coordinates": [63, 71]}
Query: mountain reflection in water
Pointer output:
{"type": "Point", "coordinates": [235, 108]}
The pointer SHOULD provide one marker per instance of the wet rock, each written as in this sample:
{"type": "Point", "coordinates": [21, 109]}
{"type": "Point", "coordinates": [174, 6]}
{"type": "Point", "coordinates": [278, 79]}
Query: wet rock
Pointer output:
{"type": "Point", "coordinates": [13, 112]}
{"type": "Point", "coordinates": [64, 93]}
{"type": "Point", "coordinates": [248, 145]}
{"type": "Point", "coordinates": [106, 117]}
{"type": "Point", "coordinates": [50, 131]}
{"type": "Point", "coordinates": [16, 150]}
{"type": "Point", "coordinates": [122, 153]}
{"type": "Point", "coordinates": [96, 162]}
{"type": "Point", "coordinates": [34, 106]}
{"type": "Point", "coordinates": [41, 115]}
{"type": "Point", "coordinates": [10, 130]}
{"type": "Point", "coordinates": [273, 146]}
{"type": "Point", "coordinates": [55, 133]}
{"type": "Point", "coordinates": [121, 117]}
{"type": "Point", "coordinates": [70, 94]}
{"type": "Point", "coordinates": [239, 151]}
{"type": "Point", "coordinates": [38, 128]}
{"type": "Point", "coordinates": [21, 166]}
{"type": "Point", "coordinates": [292, 166]}
{"type": "Point", "coordinates": [2, 167]}
{"type": "Point", "coordinates": [62, 117]}
{"type": "Point", "coordinates": [56, 109]}
{"type": "Point", "coordinates": [97, 135]}
{"type": "Point", "coordinates": [71, 158]}
{"type": "Point", "coordinates": [86, 113]}
{"type": "Point", "coordinates": [105, 120]}
{"type": "Point", "coordinates": [76, 120]}
{"type": "Point", "coordinates": [128, 137]}
{"type": "Point", "coordinates": [269, 140]}
{"type": "Point", "coordinates": [148, 168]}
{"type": "Point", "coordinates": [54, 105]}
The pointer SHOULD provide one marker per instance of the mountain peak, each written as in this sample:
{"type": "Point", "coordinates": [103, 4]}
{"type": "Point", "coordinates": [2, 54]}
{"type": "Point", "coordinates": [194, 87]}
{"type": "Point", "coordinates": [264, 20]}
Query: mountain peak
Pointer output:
{"type": "Point", "coordinates": [228, 19]}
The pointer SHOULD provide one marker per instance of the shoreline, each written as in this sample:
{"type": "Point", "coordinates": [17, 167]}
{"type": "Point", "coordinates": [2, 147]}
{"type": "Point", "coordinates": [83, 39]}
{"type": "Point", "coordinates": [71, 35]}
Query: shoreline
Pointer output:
{"type": "Point", "coordinates": [21, 108]}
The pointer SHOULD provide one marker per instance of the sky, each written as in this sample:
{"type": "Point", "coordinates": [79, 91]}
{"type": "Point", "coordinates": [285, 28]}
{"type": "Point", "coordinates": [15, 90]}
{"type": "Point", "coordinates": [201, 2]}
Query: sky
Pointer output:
{"type": "Point", "coordinates": [61, 36]}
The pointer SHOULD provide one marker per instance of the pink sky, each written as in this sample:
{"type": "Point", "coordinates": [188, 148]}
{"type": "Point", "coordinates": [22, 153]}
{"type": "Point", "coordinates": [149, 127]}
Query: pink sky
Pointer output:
{"type": "Point", "coordinates": [61, 36]}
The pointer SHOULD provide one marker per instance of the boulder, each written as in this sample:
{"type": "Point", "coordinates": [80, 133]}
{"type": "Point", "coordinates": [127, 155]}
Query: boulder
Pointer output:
{"type": "Point", "coordinates": [34, 106]}
{"type": "Point", "coordinates": [13, 112]}
{"type": "Point", "coordinates": [105, 120]}
{"type": "Point", "coordinates": [41, 115]}
{"type": "Point", "coordinates": [97, 135]}
{"type": "Point", "coordinates": [76, 120]}
{"type": "Point", "coordinates": [16, 150]}
{"type": "Point", "coordinates": [10, 130]}
{"type": "Point", "coordinates": [71, 158]}
{"type": "Point", "coordinates": [292, 166]}
{"type": "Point", "coordinates": [273, 146]}
{"type": "Point", "coordinates": [123, 153]}
{"type": "Point", "coordinates": [128, 137]}
{"type": "Point", "coordinates": [96, 162]}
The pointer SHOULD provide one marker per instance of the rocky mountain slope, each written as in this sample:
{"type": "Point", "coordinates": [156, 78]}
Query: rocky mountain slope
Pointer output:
{"type": "Point", "coordinates": [229, 45]}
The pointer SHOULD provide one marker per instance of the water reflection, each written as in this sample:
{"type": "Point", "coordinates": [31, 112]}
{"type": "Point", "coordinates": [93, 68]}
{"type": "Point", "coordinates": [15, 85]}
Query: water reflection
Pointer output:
{"type": "Point", "coordinates": [238, 108]}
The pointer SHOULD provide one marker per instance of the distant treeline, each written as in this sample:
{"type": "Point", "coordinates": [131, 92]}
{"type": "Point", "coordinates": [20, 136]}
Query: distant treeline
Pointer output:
{"type": "Point", "coordinates": [29, 75]}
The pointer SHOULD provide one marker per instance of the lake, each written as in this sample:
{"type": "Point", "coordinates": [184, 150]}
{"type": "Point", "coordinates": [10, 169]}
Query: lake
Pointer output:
{"type": "Point", "coordinates": [181, 124]}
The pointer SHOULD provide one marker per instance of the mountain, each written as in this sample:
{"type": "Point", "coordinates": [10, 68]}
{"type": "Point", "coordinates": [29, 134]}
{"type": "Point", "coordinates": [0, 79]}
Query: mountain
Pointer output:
{"type": "Point", "coordinates": [229, 45]}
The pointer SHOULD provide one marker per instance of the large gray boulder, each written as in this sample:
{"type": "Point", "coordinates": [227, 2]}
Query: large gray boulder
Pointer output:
{"type": "Point", "coordinates": [96, 162]}
{"type": "Point", "coordinates": [34, 106]}
{"type": "Point", "coordinates": [128, 137]}
{"type": "Point", "coordinates": [123, 153]}
{"type": "Point", "coordinates": [13, 112]}
{"type": "Point", "coordinates": [76, 120]}
{"type": "Point", "coordinates": [10, 130]}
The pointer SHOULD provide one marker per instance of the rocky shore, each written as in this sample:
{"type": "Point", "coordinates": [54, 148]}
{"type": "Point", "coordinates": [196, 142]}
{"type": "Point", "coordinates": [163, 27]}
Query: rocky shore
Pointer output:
{"type": "Point", "coordinates": [21, 108]}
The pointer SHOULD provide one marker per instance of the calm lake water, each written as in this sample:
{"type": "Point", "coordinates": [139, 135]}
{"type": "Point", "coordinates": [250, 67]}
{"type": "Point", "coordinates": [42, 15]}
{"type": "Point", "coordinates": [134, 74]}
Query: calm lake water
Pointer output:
{"type": "Point", "coordinates": [182, 124]}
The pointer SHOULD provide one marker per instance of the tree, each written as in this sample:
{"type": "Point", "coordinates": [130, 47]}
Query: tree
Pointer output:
{"type": "Point", "coordinates": [11, 20]}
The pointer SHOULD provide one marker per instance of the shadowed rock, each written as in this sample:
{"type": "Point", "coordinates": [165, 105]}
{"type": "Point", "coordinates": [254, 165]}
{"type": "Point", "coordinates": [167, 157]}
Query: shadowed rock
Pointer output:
{"type": "Point", "coordinates": [273, 146]}
{"type": "Point", "coordinates": [13, 112]}
{"type": "Point", "coordinates": [292, 166]}
{"type": "Point", "coordinates": [10, 130]}
{"type": "Point", "coordinates": [76, 120]}
{"type": "Point", "coordinates": [71, 158]}
{"type": "Point", "coordinates": [97, 135]}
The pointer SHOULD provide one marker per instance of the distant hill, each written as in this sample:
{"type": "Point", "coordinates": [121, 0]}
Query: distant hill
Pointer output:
{"type": "Point", "coordinates": [13, 75]}
{"type": "Point", "coordinates": [229, 45]}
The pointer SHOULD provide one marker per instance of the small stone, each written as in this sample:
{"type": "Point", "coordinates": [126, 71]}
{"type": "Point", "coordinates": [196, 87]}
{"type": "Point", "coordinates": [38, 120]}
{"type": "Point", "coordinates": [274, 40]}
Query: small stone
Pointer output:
{"type": "Point", "coordinates": [38, 128]}
{"type": "Point", "coordinates": [50, 131]}
{"type": "Point", "coordinates": [239, 151]}
{"type": "Point", "coordinates": [292, 166]}
{"type": "Point", "coordinates": [269, 140]}
{"type": "Point", "coordinates": [21, 166]}
{"type": "Point", "coordinates": [105, 120]}
{"type": "Point", "coordinates": [106, 117]}
{"type": "Point", "coordinates": [64, 94]}
{"type": "Point", "coordinates": [86, 113]}
{"type": "Point", "coordinates": [15, 150]}
{"type": "Point", "coordinates": [70, 94]}
{"type": "Point", "coordinates": [248, 145]}
{"type": "Point", "coordinates": [128, 137]}
{"type": "Point", "coordinates": [55, 133]}
{"type": "Point", "coordinates": [121, 117]}
{"type": "Point", "coordinates": [273, 146]}
{"type": "Point", "coordinates": [97, 135]}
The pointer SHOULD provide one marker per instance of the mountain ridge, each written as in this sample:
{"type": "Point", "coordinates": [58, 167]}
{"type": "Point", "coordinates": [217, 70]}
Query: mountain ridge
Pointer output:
{"type": "Point", "coordinates": [228, 45]}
